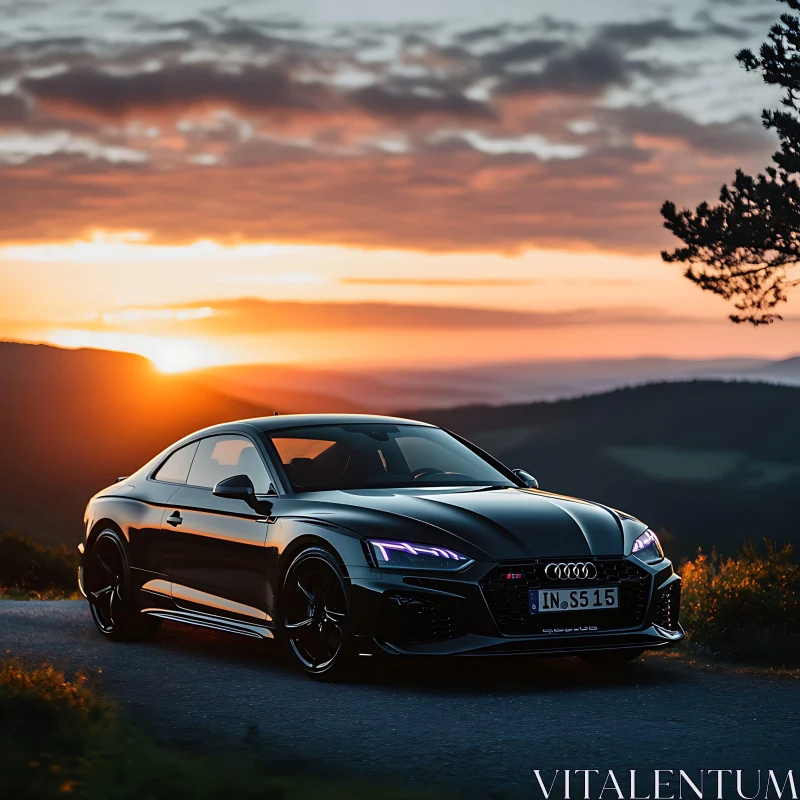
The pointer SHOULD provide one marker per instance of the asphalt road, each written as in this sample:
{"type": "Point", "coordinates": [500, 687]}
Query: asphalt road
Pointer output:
{"type": "Point", "coordinates": [481, 723]}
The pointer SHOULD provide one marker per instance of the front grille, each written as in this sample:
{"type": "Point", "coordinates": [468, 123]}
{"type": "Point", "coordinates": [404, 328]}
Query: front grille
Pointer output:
{"type": "Point", "coordinates": [667, 606]}
{"type": "Point", "coordinates": [507, 597]}
{"type": "Point", "coordinates": [410, 620]}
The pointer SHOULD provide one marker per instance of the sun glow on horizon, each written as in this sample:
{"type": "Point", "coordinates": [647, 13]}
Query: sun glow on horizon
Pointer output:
{"type": "Point", "coordinates": [102, 293]}
{"type": "Point", "coordinates": [168, 354]}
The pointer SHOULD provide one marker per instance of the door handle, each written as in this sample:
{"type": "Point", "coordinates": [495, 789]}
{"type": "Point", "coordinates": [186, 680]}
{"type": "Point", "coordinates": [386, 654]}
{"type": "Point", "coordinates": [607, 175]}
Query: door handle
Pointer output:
{"type": "Point", "coordinates": [175, 519]}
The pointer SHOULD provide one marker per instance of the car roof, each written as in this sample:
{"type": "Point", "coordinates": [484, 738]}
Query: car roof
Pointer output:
{"type": "Point", "coordinates": [285, 421]}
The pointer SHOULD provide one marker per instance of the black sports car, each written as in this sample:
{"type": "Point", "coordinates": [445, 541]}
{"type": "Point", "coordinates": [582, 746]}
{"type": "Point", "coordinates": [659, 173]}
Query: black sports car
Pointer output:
{"type": "Point", "coordinates": [350, 536]}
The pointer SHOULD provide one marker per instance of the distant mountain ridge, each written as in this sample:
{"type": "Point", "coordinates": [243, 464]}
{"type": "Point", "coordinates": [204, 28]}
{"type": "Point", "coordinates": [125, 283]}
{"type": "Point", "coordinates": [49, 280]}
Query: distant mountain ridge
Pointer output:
{"type": "Point", "coordinates": [387, 389]}
{"type": "Point", "coordinates": [782, 372]}
{"type": "Point", "coordinates": [71, 421]}
{"type": "Point", "coordinates": [710, 462]}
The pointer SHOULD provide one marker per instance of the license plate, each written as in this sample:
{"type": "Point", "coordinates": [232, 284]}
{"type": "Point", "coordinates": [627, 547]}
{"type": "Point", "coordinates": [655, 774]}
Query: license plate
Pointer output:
{"type": "Point", "coordinates": [594, 599]}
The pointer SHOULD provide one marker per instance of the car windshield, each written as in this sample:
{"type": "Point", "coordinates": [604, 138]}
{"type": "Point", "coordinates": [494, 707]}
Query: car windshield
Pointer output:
{"type": "Point", "coordinates": [379, 455]}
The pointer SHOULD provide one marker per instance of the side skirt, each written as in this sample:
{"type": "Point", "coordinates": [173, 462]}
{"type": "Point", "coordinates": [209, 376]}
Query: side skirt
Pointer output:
{"type": "Point", "coordinates": [201, 620]}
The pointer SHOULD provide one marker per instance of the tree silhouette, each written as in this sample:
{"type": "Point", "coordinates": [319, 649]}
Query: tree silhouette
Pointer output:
{"type": "Point", "coordinates": [749, 244]}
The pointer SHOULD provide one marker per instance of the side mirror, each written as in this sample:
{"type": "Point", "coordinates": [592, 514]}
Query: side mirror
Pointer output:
{"type": "Point", "coordinates": [237, 487]}
{"type": "Point", "coordinates": [526, 478]}
{"type": "Point", "coordinates": [240, 487]}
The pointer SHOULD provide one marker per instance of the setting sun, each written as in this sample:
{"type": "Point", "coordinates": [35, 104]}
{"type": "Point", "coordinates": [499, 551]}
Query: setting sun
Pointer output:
{"type": "Point", "coordinates": [167, 354]}
{"type": "Point", "coordinates": [180, 355]}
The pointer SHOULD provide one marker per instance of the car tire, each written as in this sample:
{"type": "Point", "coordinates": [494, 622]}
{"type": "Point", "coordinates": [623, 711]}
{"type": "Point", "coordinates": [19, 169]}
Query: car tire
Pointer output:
{"type": "Point", "coordinates": [608, 659]}
{"type": "Point", "coordinates": [314, 616]}
{"type": "Point", "coordinates": [112, 601]}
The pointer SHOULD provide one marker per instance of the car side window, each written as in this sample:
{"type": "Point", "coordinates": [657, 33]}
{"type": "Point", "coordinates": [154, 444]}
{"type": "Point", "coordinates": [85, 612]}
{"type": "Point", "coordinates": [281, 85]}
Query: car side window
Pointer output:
{"type": "Point", "coordinates": [220, 457]}
{"type": "Point", "coordinates": [176, 468]}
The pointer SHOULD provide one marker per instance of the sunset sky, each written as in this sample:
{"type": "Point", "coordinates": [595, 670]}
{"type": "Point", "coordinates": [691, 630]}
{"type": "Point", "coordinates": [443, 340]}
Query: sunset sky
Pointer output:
{"type": "Point", "coordinates": [370, 182]}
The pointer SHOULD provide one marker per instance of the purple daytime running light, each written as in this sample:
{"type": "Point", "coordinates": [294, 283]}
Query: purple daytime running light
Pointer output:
{"type": "Point", "coordinates": [645, 540]}
{"type": "Point", "coordinates": [415, 550]}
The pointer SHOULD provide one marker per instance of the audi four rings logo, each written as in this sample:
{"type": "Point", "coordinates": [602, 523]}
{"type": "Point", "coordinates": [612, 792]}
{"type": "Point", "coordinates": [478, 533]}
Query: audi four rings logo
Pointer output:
{"type": "Point", "coordinates": [584, 571]}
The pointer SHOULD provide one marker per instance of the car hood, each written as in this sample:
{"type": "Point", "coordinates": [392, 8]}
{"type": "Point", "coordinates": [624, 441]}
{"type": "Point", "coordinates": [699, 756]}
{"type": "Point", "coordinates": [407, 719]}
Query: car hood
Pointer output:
{"type": "Point", "coordinates": [485, 524]}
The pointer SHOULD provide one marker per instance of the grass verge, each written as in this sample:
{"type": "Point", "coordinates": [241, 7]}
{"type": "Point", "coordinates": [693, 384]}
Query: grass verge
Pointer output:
{"type": "Point", "coordinates": [745, 608]}
{"type": "Point", "coordinates": [32, 571]}
{"type": "Point", "coordinates": [60, 737]}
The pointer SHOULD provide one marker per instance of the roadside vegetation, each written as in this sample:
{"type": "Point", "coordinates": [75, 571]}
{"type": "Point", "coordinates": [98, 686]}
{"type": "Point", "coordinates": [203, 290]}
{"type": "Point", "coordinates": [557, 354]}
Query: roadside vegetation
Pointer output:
{"type": "Point", "coordinates": [29, 570]}
{"type": "Point", "coordinates": [59, 736]}
{"type": "Point", "coordinates": [745, 607]}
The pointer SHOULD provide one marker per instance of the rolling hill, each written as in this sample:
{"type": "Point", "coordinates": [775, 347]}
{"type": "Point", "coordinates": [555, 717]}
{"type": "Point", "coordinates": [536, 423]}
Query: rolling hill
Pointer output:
{"type": "Point", "coordinates": [71, 421]}
{"type": "Point", "coordinates": [707, 462]}
{"type": "Point", "coordinates": [389, 388]}
{"type": "Point", "coordinates": [304, 390]}
{"type": "Point", "coordinates": [785, 372]}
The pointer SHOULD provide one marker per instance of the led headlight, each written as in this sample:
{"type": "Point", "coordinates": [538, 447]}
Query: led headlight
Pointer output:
{"type": "Point", "coordinates": [405, 555]}
{"type": "Point", "coordinates": [648, 548]}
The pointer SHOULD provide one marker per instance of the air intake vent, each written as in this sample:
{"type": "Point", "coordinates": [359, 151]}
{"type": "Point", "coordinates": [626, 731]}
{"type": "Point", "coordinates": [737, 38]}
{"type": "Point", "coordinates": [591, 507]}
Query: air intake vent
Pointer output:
{"type": "Point", "coordinates": [410, 620]}
{"type": "Point", "coordinates": [668, 606]}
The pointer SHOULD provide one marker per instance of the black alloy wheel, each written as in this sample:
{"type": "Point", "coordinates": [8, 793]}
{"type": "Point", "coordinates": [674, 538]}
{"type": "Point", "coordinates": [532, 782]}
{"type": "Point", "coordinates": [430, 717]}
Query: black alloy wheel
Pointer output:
{"type": "Point", "coordinates": [315, 614]}
{"type": "Point", "coordinates": [107, 588]}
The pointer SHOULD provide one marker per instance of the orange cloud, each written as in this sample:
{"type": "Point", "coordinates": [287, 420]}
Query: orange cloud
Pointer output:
{"type": "Point", "coordinates": [251, 316]}
{"type": "Point", "coordinates": [250, 132]}
{"type": "Point", "coordinates": [451, 199]}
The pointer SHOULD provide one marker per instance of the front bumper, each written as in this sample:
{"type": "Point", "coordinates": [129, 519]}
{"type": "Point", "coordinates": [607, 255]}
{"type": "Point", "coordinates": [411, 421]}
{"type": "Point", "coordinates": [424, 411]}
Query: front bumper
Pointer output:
{"type": "Point", "coordinates": [470, 613]}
